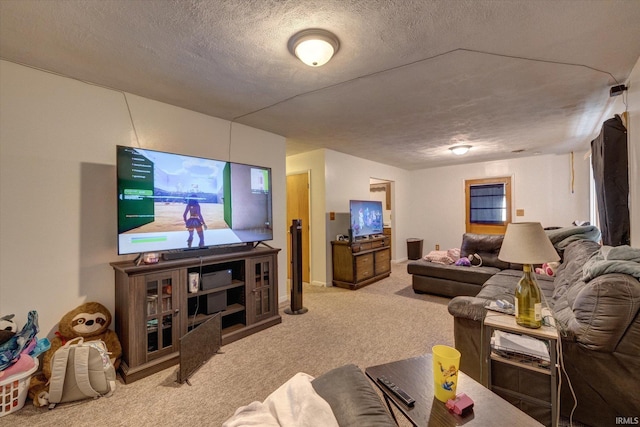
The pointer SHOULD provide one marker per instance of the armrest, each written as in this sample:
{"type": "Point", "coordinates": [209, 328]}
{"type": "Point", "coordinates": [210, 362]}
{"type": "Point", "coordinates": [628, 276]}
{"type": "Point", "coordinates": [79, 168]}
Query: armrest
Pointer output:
{"type": "Point", "coordinates": [352, 398]}
{"type": "Point", "coordinates": [472, 308]}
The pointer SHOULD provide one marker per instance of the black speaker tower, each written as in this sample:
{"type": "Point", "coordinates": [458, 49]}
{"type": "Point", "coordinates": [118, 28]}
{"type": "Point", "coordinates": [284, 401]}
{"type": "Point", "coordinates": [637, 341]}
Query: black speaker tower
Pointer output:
{"type": "Point", "coordinates": [296, 268]}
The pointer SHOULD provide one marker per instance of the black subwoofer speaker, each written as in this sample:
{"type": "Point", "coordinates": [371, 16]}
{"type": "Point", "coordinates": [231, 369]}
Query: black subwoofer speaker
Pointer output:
{"type": "Point", "coordinates": [296, 268]}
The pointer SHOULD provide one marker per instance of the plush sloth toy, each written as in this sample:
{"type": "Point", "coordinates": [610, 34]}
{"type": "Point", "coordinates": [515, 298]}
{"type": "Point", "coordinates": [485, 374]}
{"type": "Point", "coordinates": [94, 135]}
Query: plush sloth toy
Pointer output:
{"type": "Point", "coordinates": [8, 328]}
{"type": "Point", "coordinates": [90, 321]}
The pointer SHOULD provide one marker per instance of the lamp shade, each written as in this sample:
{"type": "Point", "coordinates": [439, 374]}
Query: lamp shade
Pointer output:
{"type": "Point", "coordinates": [460, 149]}
{"type": "Point", "coordinates": [527, 243]}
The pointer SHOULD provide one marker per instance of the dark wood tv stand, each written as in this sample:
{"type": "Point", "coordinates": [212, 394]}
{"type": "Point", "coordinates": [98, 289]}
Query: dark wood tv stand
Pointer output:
{"type": "Point", "coordinates": [360, 263]}
{"type": "Point", "coordinates": [153, 307]}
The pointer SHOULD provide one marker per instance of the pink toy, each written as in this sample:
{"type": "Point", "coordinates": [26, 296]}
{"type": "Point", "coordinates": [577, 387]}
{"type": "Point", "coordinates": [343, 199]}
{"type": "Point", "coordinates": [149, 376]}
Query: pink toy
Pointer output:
{"type": "Point", "coordinates": [460, 404]}
{"type": "Point", "coordinates": [548, 268]}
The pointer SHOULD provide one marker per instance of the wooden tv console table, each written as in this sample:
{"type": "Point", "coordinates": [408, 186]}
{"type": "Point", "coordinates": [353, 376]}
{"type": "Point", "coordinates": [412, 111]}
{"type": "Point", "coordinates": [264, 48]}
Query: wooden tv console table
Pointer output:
{"type": "Point", "coordinates": [154, 308]}
{"type": "Point", "coordinates": [360, 263]}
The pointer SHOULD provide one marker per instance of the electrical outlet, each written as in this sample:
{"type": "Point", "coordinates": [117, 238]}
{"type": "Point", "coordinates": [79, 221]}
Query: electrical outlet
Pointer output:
{"type": "Point", "coordinates": [437, 247]}
{"type": "Point", "coordinates": [519, 212]}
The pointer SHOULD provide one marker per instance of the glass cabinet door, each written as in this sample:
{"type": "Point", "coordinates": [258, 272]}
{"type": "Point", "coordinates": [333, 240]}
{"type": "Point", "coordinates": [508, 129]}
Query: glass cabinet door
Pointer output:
{"type": "Point", "coordinates": [160, 314]}
{"type": "Point", "coordinates": [263, 288]}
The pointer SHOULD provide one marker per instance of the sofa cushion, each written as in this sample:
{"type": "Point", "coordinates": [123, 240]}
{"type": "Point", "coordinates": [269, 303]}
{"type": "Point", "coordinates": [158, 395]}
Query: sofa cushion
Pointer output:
{"type": "Point", "coordinates": [561, 238]}
{"type": "Point", "coordinates": [503, 284]}
{"type": "Point", "coordinates": [443, 287]}
{"type": "Point", "coordinates": [576, 255]}
{"type": "Point", "coordinates": [599, 312]}
{"type": "Point", "coordinates": [352, 398]}
{"type": "Point", "coordinates": [475, 275]}
{"type": "Point", "coordinates": [487, 246]}
{"type": "Point", "coordinates": [500, 286]}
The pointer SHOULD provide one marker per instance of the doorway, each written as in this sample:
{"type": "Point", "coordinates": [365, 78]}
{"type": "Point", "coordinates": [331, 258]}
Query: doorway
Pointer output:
{"type": "Point", "coordinates": [380, 189]}
{"type": "Point", "coordinates": [298, 208]}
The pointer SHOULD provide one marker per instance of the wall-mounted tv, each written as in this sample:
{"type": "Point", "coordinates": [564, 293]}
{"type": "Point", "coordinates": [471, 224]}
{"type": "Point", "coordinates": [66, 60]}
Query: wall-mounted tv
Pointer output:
{"type": "Point", "coordinates": [169, 201]}
{"type": "Point", "coordinates": [366, 217]}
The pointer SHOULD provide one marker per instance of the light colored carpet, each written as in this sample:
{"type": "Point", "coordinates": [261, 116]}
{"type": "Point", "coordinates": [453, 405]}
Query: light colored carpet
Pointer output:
{"type": "Point", "coordinates": [382, 322]}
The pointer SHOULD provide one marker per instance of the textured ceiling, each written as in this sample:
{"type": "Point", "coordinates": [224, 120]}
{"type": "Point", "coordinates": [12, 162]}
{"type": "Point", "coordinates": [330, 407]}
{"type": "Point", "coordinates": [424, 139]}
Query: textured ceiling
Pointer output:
{"type": "Point", "coordinates": [411, 78]}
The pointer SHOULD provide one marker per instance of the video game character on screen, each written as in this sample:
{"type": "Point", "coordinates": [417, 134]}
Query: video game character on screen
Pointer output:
{"type": "Point", "coordinates": [194, 221]}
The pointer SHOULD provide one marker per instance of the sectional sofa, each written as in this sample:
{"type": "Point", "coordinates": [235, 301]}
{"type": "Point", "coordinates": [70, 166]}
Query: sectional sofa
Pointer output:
{"type": "Point", "coordinates": [452, 280]}
{"type": "Point", "coordinates": [598, 319]}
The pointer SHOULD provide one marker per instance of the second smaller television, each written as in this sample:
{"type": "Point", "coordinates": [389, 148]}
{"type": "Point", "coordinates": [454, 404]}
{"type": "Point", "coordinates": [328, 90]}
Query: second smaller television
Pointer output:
{"type": "Point", "coordinates": [366, 217]}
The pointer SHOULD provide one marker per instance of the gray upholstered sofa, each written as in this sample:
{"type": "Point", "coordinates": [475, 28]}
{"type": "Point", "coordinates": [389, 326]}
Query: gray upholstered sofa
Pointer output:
{"type": "Point", "coordinates": [599, 325]}
{"type": "Point", "coordinates": [453, 280]}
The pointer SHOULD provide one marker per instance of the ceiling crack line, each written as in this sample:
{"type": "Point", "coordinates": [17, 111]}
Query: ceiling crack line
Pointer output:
{"type": "Point", "coordinates": [397, 67]}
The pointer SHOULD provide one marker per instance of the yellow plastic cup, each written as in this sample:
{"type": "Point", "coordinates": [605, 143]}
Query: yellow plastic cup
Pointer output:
{"type": "Point", "coordinates": [446, 362]}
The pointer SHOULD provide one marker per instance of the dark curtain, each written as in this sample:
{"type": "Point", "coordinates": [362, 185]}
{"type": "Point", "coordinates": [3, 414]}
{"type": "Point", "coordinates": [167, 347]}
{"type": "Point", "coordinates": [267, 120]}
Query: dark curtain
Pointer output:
{"type": "Point", "coordinates": [609, 159]}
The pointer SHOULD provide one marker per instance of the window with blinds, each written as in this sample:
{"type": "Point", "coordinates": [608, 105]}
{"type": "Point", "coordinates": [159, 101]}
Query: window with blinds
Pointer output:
{"type": "Point", "coordinates": [488, 205]}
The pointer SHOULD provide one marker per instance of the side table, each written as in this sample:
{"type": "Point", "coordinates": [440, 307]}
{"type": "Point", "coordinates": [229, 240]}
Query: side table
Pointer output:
{"type": "Point", "coordinates": [514, 376]}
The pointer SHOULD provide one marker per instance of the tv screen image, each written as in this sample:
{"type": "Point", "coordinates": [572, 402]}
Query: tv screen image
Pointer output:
{"type": "Point", "coordinates": [169, 201]}
{"type": "Point", "coordinates": [366, 217]}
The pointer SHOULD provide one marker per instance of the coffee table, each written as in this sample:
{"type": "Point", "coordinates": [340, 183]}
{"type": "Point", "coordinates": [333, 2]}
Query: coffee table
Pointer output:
{"type": "Point", "coordinates": [415, 376]}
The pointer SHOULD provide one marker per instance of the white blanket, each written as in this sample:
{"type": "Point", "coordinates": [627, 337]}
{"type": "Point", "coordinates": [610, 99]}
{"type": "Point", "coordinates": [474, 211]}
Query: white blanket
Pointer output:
{"type": "Point", "coordinates": [295, 403]}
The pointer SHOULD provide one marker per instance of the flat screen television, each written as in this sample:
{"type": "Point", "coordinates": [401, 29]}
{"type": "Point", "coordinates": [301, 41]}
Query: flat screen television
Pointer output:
{"type": "Point", "coordinates": [169, 201]}
{"type": "Point", "coordinates": [366, 217]}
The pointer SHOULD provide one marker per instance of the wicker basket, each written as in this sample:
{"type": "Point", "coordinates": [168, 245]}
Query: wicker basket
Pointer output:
{"type": "Point", "coordinates": [14, 390]}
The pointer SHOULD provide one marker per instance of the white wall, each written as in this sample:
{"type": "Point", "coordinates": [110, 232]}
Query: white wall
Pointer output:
{"type": "Point", "coordinates": [57, 183]}
{"type": "Point", "coordinates": [541, 186]}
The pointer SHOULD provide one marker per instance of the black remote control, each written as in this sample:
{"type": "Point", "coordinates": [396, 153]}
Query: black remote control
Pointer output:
{"type": "Point", "coordinates": [400, 393]}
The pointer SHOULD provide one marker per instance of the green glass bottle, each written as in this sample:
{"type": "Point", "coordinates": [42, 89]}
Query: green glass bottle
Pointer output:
{"type": "Point", "coordinates": [528, 300]}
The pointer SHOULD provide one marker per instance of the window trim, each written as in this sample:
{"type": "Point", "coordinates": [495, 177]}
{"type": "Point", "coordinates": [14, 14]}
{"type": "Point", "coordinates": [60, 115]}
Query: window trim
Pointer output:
{"type": "Point", "coordinates": [487, 228]}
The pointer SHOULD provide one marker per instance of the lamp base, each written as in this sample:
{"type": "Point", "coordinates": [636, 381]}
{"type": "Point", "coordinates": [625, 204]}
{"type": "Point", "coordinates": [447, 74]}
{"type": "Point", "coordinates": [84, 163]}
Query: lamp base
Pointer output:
{"type": "Point", "coordinates": [528, 302]}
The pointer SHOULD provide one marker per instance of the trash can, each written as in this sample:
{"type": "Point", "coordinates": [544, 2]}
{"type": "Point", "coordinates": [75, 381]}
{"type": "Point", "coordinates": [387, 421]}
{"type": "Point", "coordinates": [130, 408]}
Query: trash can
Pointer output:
{"type": "Point", "coordinates": [414, 248]}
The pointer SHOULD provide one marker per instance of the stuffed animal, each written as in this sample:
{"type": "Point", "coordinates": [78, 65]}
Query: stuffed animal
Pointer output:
{"type": "Point", "coordinates": [91, 321]}
{"type": "Point", "coordinates": [548, 268]}
{"type": "Point", "coordinates": [463, 262]}
{"type": "Point", "coordinates": [8, 328]}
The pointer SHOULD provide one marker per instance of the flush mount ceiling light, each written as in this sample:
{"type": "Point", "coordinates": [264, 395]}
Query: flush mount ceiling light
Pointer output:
{"type": "Point", "coordinates": [314, 47]}
{"type": "Point", "coordinates": [460, 149]}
